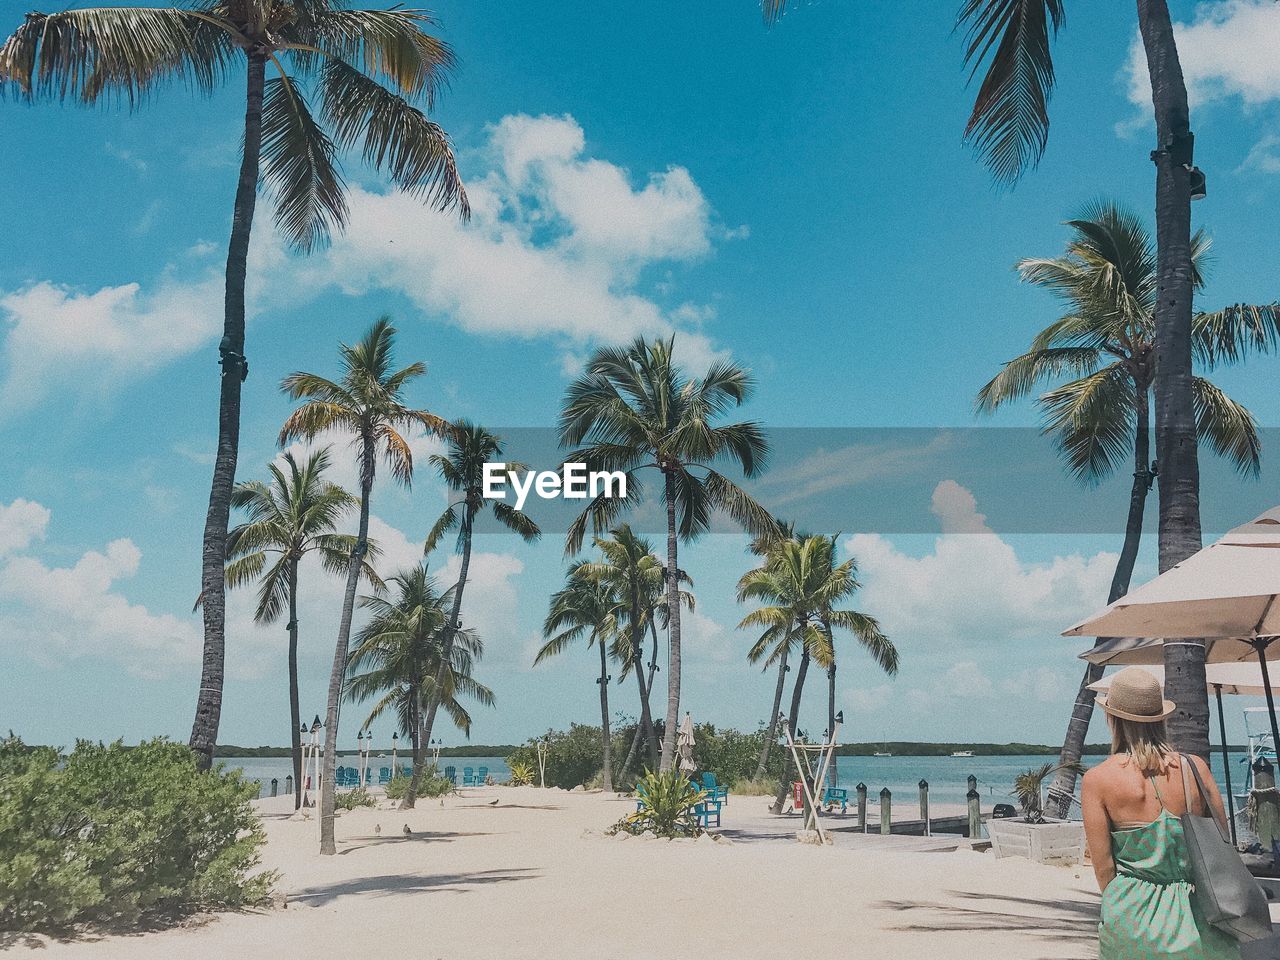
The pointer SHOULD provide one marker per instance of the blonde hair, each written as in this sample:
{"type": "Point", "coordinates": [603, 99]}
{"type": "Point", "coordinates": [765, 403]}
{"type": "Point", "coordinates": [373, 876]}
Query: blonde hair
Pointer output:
{"type": "Point", "coordinates": [1146, 743]}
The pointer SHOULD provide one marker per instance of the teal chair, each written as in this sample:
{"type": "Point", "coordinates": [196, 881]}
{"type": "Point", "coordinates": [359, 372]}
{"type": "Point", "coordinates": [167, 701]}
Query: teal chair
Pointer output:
{"type": "Point", "coordinates": [468, 777]}
{"type": "Point", "coordinates": [707, 813]}
{"type": "Point", "coordinates": [451, 774]}
{"type": "Point", "coordinates": [384, 775]}
{"type": "Point", "coordinates": [482, 776]}
{"type": "Point", "coordinates": [715, 791]}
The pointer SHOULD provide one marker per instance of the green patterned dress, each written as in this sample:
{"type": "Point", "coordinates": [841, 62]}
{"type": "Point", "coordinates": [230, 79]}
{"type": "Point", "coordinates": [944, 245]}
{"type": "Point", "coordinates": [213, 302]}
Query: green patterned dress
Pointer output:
{"type": "Point", "coordinates": [1147, 912]}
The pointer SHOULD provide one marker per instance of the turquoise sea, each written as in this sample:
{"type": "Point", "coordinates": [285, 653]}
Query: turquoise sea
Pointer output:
{"type": "Point", "coordinates": [947, 776]}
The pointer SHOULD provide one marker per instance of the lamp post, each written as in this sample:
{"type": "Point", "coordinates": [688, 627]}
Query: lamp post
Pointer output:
{"type": "Point", "coordinates": [395, 738]}
{"type": "Point", "coordinates": [302, 783]}
{"type": "Point", "coordinates": [360, 758]}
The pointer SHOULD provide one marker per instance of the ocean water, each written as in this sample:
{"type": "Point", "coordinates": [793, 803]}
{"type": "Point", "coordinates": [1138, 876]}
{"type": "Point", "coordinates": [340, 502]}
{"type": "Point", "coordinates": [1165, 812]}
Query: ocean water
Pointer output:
{"type": "Point", "coordinates": [947, 776]}
{"type": "Point", "coordinates": [264, 769]}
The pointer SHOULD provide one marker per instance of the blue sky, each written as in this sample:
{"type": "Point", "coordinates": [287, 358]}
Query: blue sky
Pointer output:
{"type": "Point", "coordinates": [798, 198]}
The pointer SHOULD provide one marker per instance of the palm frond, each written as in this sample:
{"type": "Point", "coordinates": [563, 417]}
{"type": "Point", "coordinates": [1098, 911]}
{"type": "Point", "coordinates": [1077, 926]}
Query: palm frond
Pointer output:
{"type": "Point", "coordinates": [1229, 429]}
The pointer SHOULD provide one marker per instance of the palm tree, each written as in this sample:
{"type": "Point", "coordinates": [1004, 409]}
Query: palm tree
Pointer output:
{"type": "Point", "coordinates": [401, 649]}
{"type": "Point", "coordinates": [635, 409]}
{"type": "Point", "coordinates": [367, 402]}
{"type": "Point", "coordinates": [586, 606]}
{"type": "Point", "coordinates": [760, 547]}
{"type": "Point", "coordinates": [1009, 42]}
{"type": "Point", "coordinates": [630, 568]}
{"type": "Point", "coordinates": [800, 584]}
{"type": "Point", "coordinates": [292, 516]}
{"type": "Point", "coordinates": [370, 71]}
{"type": "Point", "coordinates": [462, 470]}
{"type": "Point", "coordinates": [1101, 354]}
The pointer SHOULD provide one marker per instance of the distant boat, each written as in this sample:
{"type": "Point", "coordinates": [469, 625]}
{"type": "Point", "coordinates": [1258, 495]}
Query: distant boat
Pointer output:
{"type": "Point", "coordinates": [962, 753]}
{"type": "Point", "coordinates": [880, 753]}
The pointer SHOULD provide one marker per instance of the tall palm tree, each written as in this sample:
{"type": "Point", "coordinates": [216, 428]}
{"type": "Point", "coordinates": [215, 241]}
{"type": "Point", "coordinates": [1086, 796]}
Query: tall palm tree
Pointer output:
{"type": "Point", "coordinates": [462, 470]}
{"type": "Point", "coordinates": [370, 72]}
{"type": "Point", "coordinates": [366, 401]}
{"type": "Point", "coordinates": [586, 606]}
{"type": "Point", "coordinates": [630, 568]}
{"type": "Point", "coordinates": [1008, 43]}
{"type": "Point", "coordinates": [400, 650]}
{"type": "Point", "coordinates": [800, 585]}
{"type": "Point", "coordinates": [1101, 356]}
{"type": "Point", "coordinates": [292, 516]}
{"type": "Point", "coordinates": [635, 409]}
{"type": "Point", "coordinates": [760, 547]}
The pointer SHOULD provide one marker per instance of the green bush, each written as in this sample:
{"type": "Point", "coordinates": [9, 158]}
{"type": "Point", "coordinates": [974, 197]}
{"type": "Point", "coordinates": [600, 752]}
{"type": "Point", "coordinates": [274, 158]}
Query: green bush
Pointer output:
{"type": "Point", "coordinates": [432, 784]}
{"type": "Point", "coordinates": [665, 806]}
{"type": "Point", "coordinates": [732, 755]}
{"type": "Point", "coordinates": [522, 774]}
{"type": "Point", "coordinates": [109, 834]}
{"type": "Point", "coordinates": [359, 797]}
{"type": "Point", "coordinates": [573, 755]}
{"type": "Point", "coordinates": [764, 787]}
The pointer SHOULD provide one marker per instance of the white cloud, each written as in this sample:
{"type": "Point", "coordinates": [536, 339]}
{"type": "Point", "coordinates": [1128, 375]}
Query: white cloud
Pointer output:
{"type": "Point", "coordinates": [490, 598]}
{"type": "Point", "coordinates": [972, 588]}
{"type": "Point", "coordinates": [1264, 156]}
{"type": "Point", "coordinates": [869, 699]}
{"type": "Point", "coordinates": [1227, 51]}
{"type": "Point", "coordinates": [58, 335]}
{"type": "Point", "coordinates": [21, 522]}
{"type": "Point", "coordinates": [58, 613]}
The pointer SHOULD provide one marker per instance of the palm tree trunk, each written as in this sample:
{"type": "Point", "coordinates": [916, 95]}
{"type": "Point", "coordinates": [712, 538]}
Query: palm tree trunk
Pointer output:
{"type": "Point", "coordinates": [789, 771]}
{"type": "Point", "coordinates": [446, 650]}
{"type": "Point", "coordinates": [833, 769]}
{"type": "Point", "coordinates": [648, 693]}
{"type": "Point", "coordinates": [673, 627]}
{"type": "Point", "coordinates": [295, 708]}
{"type": "Point", "coordinates": [606, 768]}
{"type": "Point", "coordinates": [1064, 782]}
{"type": "Point", "coordinates": [763, 766]}
{"type": "Point", "coordinates": [339, 672]}
{"type": "Point", "coordinates": [1175, 414]}
{"type": "Point", "coordinates": [204, 729]}
{"type": "Point", "coordinates": [415, 740]}
{"type": "Point", "coordinates": [646, 714]}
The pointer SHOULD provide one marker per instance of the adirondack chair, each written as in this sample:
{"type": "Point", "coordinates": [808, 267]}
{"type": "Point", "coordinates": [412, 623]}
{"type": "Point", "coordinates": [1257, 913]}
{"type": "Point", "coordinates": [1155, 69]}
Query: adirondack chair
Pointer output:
{"type": "Point", "coordinates": [482, 776]}
{"type": "Point", "coordinates": [715, 791]}
{"type": "Point", "coordinates": [707, 813]}
{"type": "Point", "coordinates": [468, 777]}
{"type": "Point", "coordinates": [451, 774]}
{"type": "Point", "coordinates": [384, 775]}
{"type": "Point", "coordinates": [833, 795]}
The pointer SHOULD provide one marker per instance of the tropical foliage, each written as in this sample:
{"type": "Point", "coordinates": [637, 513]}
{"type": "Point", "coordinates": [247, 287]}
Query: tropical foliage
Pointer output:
{"type": "Point", "coordinates": [634, 409]}
{"type": "Point", "coordinates": [109, 834]}
{"type": "Point", "coordinates": [1028, 788]}
{"type": "Point", "coordinates": [665, 803]}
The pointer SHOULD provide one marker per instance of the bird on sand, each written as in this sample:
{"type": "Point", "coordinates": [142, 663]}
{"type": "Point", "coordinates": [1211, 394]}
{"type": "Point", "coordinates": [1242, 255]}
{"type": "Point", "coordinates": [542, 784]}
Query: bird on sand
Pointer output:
{"type": "Point", "coordinates": [377, 828]}
{"type": "Point", "coordinates": [407, 832]}
{"type": "Point", "coordinates": [494, 801]}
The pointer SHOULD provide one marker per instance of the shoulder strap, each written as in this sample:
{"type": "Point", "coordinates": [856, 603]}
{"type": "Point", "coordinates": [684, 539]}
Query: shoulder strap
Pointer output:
{"type": "Point", "coordinates": [1156, 787]}
{"type": "Point", "coordinates": [1204, 796]}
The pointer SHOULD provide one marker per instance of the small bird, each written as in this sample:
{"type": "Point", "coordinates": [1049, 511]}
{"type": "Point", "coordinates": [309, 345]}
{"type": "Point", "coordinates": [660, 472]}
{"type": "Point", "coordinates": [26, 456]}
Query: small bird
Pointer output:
{"type": "Point", "coordinates": [494, 802]}
{"type": "Point", "coordinates": [407, 831]}
{"type": "Point", "coordinates": [377, 828]}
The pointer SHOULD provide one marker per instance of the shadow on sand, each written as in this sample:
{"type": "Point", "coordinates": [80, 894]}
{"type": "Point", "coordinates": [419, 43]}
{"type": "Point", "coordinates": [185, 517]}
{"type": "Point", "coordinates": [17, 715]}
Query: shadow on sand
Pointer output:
{"type": "Point", "coordinates": [1073, 922]}
{"type": "Point", "coordinates": [418, 836]}
{"type": "Point", "coordinates": [406, 884]}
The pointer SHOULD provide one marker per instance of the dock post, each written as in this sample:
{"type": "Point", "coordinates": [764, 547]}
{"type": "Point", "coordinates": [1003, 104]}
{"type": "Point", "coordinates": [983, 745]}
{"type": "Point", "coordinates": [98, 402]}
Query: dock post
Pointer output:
{"type": "Point", "coordinates": [975, 810]}
{"type": "Point", "coordinates": [924, 807]}
{"type": "Point", "coordinates": [288, 785]}
{"type": "Point", "coordinates": [862, 807]}
{"type": "Point", "coordinates": [886, 809]}
{"type": "Point", "coordinates": [275, 786]}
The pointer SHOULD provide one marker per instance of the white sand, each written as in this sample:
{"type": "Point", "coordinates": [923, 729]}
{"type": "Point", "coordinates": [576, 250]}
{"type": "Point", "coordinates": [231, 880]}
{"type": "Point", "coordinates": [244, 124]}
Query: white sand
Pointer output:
{"type": "Point", "coordinates": [520, 880]}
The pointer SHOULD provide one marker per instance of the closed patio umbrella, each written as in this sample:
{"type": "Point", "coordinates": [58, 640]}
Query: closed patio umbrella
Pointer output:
{"type": "Point", "coordinates": [1238, 679]}
{"type": "Point", "coordinates": [685, 743]}
{"type": "Point", "coordinates": [1225, 592]}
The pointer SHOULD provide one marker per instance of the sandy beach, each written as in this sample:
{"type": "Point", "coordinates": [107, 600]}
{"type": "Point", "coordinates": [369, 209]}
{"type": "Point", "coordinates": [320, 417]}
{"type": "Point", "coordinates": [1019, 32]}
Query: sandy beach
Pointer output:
{"type": "Point", "coordinates": [532, 876]}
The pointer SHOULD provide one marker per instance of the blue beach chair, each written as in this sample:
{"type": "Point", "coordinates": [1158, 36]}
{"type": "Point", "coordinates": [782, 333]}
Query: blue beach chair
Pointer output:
{"type": "Point", "coordinates": [707, 813]}
{"type": "Point", "coordinates": [451, 774]}
{"type": "Point", "coordinates": [468, 777]}
{"type": "Point", "coordinates": [482, 776]}
{"type": "Point", "coordinates": [715, 791]}
{"type": "Point", "coordinates": [384, 775]}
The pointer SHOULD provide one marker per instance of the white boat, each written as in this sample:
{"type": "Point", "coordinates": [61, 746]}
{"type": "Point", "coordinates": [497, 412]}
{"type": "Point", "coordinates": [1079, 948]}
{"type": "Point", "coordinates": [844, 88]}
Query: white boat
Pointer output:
{"type": "Point", "coordinates": [962, 753]}
{"type": "Point", "coordinates": [880, 754]}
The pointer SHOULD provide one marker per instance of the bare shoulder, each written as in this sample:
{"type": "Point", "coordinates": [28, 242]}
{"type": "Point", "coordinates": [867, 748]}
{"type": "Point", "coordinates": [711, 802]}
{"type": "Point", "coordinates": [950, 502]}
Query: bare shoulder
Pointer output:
{"type": "Point", "coordinates": [1202, 767]}
{"type": "Point", "coordinates": [1102, 773]}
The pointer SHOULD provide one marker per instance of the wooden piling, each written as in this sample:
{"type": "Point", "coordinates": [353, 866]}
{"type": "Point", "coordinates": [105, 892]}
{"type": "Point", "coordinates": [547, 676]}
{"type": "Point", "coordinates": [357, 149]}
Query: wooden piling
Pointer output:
{"type": "Point", "coordinates": [886, 810]}
{"type": "Point", "coordinates": [288, 785]}
{"type": "Point", "coordinates": [924, 806]}
{"type": "Point", "coordinates": [275, 786]}
{"type": "Point", "coordinates": [975, 810]}
{"type": "Point", "coordinates": [862, 807]}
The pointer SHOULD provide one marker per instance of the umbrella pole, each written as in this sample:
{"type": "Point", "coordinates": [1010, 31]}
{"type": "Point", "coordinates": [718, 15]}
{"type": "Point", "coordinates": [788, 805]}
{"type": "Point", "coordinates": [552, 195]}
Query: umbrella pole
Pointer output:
{"type": "Point", "coordinates": [1226, 763]}
{"type": "Point", "coordinates": [1260, 644]}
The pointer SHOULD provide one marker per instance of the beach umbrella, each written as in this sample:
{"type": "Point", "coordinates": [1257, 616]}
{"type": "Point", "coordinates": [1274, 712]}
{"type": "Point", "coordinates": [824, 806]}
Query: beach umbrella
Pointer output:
{"type": "Point", "coordinates": [1225, 592]}
{"type": "Point", "coordinates": [684, 744]}
{"type": "Point", "coordinates": [1233, 679]}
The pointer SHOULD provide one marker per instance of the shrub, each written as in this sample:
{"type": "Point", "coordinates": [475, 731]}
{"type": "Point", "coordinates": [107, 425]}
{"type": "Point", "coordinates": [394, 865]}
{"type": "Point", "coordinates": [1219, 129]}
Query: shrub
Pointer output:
{"type": "Point", "coordinates": [764, 787]}
{"type": "Point", "coordinates": [110, 834]}
{"type": "Point", "coordinates": [732, 755]}
{"type": "Point", "coordinates": [573, 756]}
{"type": "Point", "coordinates": [522, 774]}
{"type": "Point", "coordinates": [359, 797]}
{"type": "Point", "coordinates": [665, 806]}
{"type": "Point", "coordinates": [432, 784]}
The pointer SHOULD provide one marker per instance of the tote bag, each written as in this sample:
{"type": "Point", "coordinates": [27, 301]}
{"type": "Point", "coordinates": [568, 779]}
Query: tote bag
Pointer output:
{"type": "Point", "coordinates": [1225, 892]}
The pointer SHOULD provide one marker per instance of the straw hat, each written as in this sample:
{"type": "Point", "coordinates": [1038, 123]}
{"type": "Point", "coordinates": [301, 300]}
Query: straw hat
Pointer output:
{"type": "Point", "coordinates": [1136, 695]}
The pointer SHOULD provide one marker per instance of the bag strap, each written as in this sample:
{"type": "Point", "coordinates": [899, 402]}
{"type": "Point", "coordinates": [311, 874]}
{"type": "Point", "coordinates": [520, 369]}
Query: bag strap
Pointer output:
{"type": "Point", "coordinates": [1204, 795]}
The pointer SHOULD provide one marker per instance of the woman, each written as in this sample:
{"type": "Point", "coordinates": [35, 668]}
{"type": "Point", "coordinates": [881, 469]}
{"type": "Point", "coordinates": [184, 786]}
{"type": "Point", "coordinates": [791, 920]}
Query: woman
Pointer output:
{"type": "Point", "coordinates": [1132, 802]}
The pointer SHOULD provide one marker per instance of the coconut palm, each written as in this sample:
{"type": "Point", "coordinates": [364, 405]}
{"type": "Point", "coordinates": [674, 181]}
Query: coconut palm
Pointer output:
{"type": "Point", "coordinates": [1100, 356]}
{"type": "Point", "coordinates": [295, 514]}
{"type": "Point", "coordinates": [400, 652]}
{"type": "Point", "coordinates": [629, 567]}
{"type": "Point", "coordinates": [1008, 45]}
{"type": "Point", "coordinates": [800, 585]}
{"type": "Point", "coordinates": [635, 409]}
{"type": "Point", "coordinates": [586, 606]}
{"type": "Point", "coordinates": [369, 72]}
{"type": "Point", "coordinates": [760, 547]}
{"type": "Point", "coordinates": [366, 401]}
{"type": "Point", "coordinates": [462, 470]}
